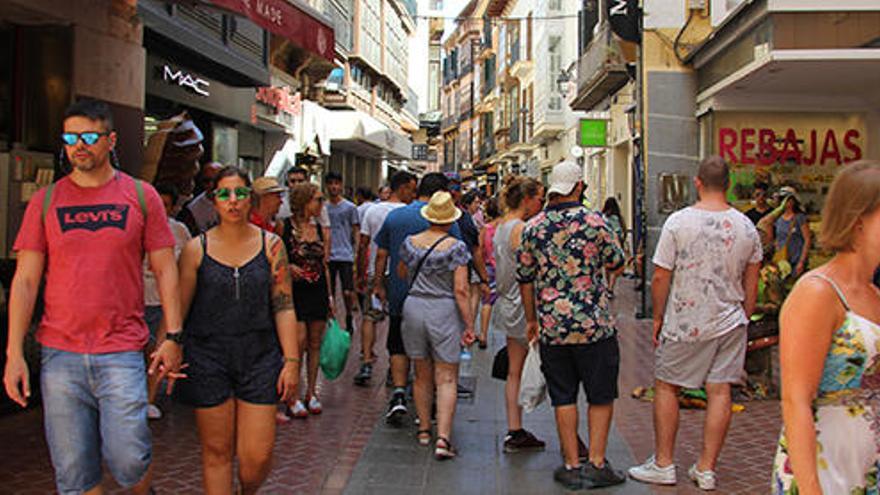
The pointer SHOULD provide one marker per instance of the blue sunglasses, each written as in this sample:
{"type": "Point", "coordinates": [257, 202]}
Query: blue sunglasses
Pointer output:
{"type": "Point", "coordinates": [89, 138]}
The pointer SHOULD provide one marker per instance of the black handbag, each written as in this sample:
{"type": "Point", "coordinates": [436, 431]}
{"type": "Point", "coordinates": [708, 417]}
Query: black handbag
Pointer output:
{"type": "Point", "coordinates": [500, 364]}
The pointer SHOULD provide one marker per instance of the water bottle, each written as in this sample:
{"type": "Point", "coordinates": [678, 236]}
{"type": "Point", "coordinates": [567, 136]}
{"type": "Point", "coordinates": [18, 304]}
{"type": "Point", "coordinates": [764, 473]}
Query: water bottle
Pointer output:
{"type": "Point", "coordinates": [465, 365]}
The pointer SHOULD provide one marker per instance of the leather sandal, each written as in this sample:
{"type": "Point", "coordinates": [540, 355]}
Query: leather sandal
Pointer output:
{"type": "Point", "coordinates": [424, 437]}
{"type": "Point", "coordinates": [443, 449]}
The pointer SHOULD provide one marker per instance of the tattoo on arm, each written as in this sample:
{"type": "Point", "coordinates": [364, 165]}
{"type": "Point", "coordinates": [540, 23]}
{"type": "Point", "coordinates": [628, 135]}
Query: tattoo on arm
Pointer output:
{"type": "Point", "coordinates": [282, 293]}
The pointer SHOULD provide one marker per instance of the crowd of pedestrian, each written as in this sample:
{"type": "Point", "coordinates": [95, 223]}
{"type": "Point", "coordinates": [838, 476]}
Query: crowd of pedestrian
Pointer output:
{"type": "Point", "coordinates": [231, 298]}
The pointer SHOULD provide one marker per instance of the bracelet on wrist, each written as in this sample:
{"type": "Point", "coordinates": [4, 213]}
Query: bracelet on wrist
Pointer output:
{"type": "Point", "coordinates": [291, 359]}
{"type": "Point", "coordinates": [176, 337]}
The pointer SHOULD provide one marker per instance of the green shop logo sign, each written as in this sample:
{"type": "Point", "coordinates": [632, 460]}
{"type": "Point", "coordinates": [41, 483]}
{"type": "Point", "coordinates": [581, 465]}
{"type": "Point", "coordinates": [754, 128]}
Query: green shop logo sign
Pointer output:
{"type": "Point", "coordinates": [593, 133]}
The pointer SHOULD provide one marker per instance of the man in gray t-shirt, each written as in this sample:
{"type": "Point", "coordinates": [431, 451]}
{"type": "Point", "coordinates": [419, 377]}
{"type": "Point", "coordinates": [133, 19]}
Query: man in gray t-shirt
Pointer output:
{"type": "Point", "coordinates": [344, 234]}
{"type": "Point", "coordinates": [704, 289]}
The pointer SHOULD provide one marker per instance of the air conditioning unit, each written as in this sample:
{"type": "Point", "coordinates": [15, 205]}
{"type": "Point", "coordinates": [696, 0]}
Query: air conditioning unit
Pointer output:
{"type": "Point", "coordinates": [697, 4]}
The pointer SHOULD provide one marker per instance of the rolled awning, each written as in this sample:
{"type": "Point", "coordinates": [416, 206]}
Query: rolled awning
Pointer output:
{"type": "Point", "coordinates": [284, 18]}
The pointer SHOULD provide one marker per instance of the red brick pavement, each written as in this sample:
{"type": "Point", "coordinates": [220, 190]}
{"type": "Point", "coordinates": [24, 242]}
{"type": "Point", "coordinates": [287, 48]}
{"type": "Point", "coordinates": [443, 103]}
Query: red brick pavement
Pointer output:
{"type": "Point", "coordinates": [316, 455]}
{"type": "Point", "coordinates": [746, 460]}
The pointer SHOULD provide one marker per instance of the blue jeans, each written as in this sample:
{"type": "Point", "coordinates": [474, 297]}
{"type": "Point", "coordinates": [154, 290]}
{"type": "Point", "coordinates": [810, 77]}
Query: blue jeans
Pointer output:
{"type": "Point", "coordinates": [95, 408]}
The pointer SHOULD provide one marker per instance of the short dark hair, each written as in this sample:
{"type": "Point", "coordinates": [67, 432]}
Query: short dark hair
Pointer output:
{"type": "Point", "coordinates": [431, 183]}
{"type": "Point", "coordinates": [400, 179]}
{"type": "Point", "coordinates": [763, 186]}
{"type": "Point", "coordinates": [469, 197]}
{"type": "Point", "coordinates": [493, 209]}
{"type": "Point", "coordinates": [332, 176]}
{"type": "Point", "coordinates": [365, 192]}
{"type": "Point", "coordinates": [714, 173]}
{"type": "Point", "coordinates": [168, 189]}
{"type": "Point", "coordinates": [297, 170]}
{"type": "Point", "coordinates": [92, 110]}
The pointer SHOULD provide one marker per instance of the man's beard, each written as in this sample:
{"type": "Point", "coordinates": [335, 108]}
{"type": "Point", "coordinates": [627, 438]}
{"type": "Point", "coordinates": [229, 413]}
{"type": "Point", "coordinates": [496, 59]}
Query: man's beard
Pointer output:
{"type": "Point", "coordinates": [84, 165]}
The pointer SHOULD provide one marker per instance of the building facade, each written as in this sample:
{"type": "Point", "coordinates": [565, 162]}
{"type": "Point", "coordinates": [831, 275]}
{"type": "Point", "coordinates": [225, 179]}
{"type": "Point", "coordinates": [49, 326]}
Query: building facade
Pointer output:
{"type": "Point", "coordinates": [784, 91]}
{"type": "Point", "coordinates": [371, 106]}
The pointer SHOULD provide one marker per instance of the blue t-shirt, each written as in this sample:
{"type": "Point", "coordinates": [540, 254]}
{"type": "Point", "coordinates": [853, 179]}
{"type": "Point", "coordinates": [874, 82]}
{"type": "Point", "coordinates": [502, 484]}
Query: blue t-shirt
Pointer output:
{"type": "Point", "coordinates": [342, 217]}
{"type": "Point", "coordinates": [400, 224]}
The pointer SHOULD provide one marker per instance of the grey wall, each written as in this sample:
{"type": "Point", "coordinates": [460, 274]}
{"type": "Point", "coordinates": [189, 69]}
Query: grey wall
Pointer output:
{"type": "Point", "coordinates": [672, 140]}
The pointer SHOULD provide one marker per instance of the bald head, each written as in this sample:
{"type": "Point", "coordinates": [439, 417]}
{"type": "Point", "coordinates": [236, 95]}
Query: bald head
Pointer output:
{"type": "Point", "coordinates": [714, 174]}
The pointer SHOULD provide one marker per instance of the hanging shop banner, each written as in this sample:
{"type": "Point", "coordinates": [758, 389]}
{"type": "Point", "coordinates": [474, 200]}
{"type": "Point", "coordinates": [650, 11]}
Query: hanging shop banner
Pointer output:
{"type": "Point", "coordinates": [804, 150]}
{"type": "Point", "coordinates": [624, 17]}
{"type": "Point", "coordinates": [593, 133]}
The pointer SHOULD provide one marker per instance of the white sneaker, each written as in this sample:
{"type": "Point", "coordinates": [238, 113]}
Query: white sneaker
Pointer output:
{"type": "Point", "coordinates": [299, 410]}
{"type": "Point", "coordinates": [315, 405]}
{"type": "Point", "coordinates": [650, 472]}
{"type": "Point", "coordinates": [153, 412]}
{"type": "Point", "coordinates": [704, 479]}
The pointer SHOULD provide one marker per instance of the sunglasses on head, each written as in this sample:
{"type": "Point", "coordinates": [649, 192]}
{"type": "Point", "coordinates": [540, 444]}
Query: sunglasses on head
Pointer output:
{"type": "Point", "coordinates": [89, 138]}
{"type": "Point", "coordinates": [225, 193]}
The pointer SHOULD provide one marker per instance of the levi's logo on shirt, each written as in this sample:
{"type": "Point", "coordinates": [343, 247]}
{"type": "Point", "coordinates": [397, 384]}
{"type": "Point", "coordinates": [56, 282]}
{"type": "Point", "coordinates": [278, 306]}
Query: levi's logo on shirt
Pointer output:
{"type": "Point", "coordinates": [93, 217]}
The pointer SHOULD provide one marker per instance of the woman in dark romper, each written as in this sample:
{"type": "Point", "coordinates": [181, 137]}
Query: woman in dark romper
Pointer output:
{"type": "Point", "coordinates": [308, 269]}
{"type": "Point", "coordinates": [240, 341]}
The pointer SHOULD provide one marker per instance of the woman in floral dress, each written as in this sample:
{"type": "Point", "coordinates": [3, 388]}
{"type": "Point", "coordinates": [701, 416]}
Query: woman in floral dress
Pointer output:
{"type": "Point", "coordinates": [830, 352]}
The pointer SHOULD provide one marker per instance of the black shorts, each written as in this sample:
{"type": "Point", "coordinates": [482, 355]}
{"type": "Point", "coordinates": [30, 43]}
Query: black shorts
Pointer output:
{"type": "Point", "coordinates": [245, 367]}
{"type": "Point", "coordinates": [310, 300]}
{"type": "Point", "coordinates": [394, 344]}
{"type": "Point", "coordinates": [345, 269]}
{"type": "Point", "coordinates": [594, 365]}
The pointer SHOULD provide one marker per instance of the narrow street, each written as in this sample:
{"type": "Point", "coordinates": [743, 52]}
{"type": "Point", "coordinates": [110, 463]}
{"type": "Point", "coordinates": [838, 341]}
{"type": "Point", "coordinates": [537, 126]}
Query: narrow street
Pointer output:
{"type": "Point", "coordinates": [349, 449]}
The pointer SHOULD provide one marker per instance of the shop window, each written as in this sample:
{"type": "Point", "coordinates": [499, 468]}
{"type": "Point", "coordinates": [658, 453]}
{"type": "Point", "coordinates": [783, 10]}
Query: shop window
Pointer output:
{"type": "Point", "coordinates": [46, 93]}
{"type": "Point", "coordinates": [224, 147]}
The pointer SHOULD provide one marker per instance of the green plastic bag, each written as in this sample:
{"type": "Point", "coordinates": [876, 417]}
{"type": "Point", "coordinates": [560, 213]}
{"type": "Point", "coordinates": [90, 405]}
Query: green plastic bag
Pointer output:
{"type": "Point", "coordinates": [334, 350]}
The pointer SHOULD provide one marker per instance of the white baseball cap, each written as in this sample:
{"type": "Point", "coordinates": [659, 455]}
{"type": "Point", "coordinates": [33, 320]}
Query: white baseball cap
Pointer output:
{"type": "Point", "coordinates": [564, 178]}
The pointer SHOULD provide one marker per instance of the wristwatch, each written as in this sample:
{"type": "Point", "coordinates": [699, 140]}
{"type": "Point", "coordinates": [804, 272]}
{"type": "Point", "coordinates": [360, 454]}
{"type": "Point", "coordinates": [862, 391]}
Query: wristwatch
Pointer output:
{"type": "Point", "coordinates": [176, 337]}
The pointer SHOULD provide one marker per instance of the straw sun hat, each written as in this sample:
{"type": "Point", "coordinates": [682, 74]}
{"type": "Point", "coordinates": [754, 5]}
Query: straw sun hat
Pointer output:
{"type": "Point", "coordinates": [441, 210]}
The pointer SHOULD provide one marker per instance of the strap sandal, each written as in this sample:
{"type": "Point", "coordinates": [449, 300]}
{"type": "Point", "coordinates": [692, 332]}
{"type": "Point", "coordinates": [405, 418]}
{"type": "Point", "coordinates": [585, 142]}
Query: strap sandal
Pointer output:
{"type": "Point", "coordinates": [443, 449]}
{"type": "Point", "coordinates": [424, 437]}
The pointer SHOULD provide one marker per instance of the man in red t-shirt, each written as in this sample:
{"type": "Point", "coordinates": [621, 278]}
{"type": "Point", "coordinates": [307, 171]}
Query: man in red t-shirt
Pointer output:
{"type": "Point", "coordinates": [89, 233]}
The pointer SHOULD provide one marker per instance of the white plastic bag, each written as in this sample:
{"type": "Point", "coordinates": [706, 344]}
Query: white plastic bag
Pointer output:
{"type": "Point", "coordinates": [532, 387]}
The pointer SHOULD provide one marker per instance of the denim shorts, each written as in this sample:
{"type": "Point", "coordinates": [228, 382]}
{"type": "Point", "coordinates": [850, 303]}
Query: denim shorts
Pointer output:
{"type": "Point", "coordinates": [95, 410]}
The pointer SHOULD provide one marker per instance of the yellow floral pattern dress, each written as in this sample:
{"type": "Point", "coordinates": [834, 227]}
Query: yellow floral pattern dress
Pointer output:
{"type": "Point", "coordinates": [846, 413]}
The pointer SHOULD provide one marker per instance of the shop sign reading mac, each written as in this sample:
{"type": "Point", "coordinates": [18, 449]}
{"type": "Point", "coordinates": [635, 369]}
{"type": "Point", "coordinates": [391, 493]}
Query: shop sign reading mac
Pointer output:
{"type": "Point", "coordinates": [750, 146]}
{"type": "Point", "coordinates": [185, 80]}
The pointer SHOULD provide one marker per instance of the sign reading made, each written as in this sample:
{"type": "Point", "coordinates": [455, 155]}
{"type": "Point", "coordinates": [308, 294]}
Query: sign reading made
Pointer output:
{"type": "Point", "coordinates": [593, 133]}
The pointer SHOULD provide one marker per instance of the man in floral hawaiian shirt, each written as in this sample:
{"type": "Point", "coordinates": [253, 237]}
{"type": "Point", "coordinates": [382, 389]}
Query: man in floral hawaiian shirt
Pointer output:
{"type": "Point", "coordinates": [564, 251]}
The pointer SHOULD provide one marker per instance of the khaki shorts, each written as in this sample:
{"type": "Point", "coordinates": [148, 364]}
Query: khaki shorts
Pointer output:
{"type": "Point", "coordinates": [693, 364]}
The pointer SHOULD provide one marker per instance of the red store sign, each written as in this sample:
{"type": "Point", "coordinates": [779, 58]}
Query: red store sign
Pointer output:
{"type": "Point", "coordinates": [751, 146]}
{"type": "Point", "coordinates": [279, 98]}
{"type": "Point", "coordinates": [287, 20]}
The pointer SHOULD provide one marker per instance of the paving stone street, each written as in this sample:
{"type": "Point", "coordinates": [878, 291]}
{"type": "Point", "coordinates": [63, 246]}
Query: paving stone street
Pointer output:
{"type": "Point", "coordinates": [349, 449]}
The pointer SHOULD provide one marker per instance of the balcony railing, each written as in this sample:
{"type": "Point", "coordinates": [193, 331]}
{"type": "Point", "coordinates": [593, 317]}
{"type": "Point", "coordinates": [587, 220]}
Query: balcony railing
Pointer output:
{"type": "Point", "coordinates": [601, 70]}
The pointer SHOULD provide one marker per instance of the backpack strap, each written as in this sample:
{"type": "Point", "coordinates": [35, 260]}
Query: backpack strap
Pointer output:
{"type": "Point", "coordinates": [142, 199]}
{"type": "Point", "coordinates": [47, 201]}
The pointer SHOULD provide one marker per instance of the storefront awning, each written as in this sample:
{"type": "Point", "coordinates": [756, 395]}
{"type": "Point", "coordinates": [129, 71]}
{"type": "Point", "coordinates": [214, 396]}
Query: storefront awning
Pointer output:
{"type": "Point", "coordinates": [289, 19]}
{"type": "Point", "coordinates": [363, 135]}
{"type": "Point", "coordinates": [819, 79]}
